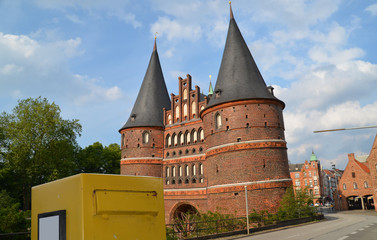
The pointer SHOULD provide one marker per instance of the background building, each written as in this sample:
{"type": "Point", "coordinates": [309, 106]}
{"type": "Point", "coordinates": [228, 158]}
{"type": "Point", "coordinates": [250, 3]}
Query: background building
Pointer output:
{"type": "Point", "coordinates": [307, 176]}
{"type": "Point", "coordinates": [209, 149]}
{"type": "Point", "coordinates": [330, 180]}
{"type": "Point", "coordinates": [357, 186]}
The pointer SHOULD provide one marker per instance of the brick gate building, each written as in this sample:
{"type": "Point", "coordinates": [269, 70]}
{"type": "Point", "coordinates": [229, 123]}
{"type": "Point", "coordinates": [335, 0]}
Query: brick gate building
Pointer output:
{"type": "Point", "coordinates": [208, 149]}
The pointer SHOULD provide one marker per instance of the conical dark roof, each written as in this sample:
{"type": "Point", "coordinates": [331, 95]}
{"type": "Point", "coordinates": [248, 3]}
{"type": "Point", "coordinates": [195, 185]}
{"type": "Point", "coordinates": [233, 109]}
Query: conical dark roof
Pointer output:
{"type": "Point", "coordinates": [152, 98]}
{"type": "Point", "coordinates": [239, 77]}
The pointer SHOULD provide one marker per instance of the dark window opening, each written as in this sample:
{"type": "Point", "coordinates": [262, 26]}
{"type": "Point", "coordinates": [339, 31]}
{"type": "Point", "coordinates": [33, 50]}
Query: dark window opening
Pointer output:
{"type": "Point", "coordinates": [238, 139]}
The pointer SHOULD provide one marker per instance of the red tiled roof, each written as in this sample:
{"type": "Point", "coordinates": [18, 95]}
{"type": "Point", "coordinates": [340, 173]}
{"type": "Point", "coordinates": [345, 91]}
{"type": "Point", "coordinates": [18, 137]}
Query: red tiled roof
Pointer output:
{"type": "Point", "coordinates": [363, 166]}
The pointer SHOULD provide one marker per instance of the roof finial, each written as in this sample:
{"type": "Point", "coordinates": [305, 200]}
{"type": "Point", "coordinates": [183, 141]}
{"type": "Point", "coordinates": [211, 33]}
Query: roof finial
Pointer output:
{"type": "Point", "coordinates": [210, 90]}
{"type": "Point", "coordinates": [155, 37]}
{"type": "Point", "coordinates": [231, 11]}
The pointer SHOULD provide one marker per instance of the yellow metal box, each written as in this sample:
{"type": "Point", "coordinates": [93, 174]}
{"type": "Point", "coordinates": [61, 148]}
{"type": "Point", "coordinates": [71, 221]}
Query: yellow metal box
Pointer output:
{"type": "Point", "coordinates": [97, 206]}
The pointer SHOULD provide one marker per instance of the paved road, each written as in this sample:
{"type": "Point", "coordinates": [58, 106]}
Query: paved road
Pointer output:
{"type": "Point", "coordinates": [350, 225]}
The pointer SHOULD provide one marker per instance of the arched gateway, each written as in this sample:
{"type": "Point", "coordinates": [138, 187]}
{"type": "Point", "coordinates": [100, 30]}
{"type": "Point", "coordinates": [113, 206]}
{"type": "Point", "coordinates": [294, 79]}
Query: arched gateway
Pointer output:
{"type": "Point", "coordinates": [181, 211]}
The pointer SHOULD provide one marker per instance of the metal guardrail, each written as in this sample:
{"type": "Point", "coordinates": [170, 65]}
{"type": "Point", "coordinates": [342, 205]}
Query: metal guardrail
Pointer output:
{"type": "Point", "coordinates": [187, 230]}
{"type": "Point", "coordinates": [200, 229]}
{"type": "Point", "coordinates": [15, 236]}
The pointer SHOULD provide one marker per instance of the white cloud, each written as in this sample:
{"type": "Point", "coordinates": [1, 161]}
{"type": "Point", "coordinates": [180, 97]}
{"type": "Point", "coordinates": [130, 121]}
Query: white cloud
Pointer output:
{"type": "Point", "coordinates": [75, 19]}
{"type": "Point", "coordinates": [10, 69]}
{"type": "Point", "coordinates": [175, 30]}
{"type": "Point", "coordinates": [293, 14]}
{"type": "Point", "coordinates": [372, 9]}
{"type": "Point", "coordinates": [31, 68]}
{"type": "Point", "coordinates": [115, 8]}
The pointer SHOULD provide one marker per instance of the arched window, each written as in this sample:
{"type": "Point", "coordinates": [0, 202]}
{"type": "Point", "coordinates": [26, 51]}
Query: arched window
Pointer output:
{"type": "Point", "coordinates": [366, 184]}
{"type": "Point", "coordinates": [180, 171]}
{"type": "Point", "coordinates": [177, 112]}
{"type": "Point", "coordinates": [181, 138]}
{"type": "Point", "coordinates": [194, 136]}
{"type": "Point", "coordinates": [354, 185]}
{"type": "Point", "coordinates": [218, 121]}
{"type": "Point", "coordinates": [187, 170]}
{"type": "Point", "coordinates": [193, 109]}
{"type": "Point", "coordinates": [122, 141]}
{"type": "Point", "coordinates": [175, 139]}
{"type": "Point", "coordinates": [201, 135]}
{"type": "Point", "coordinates": [184, 94]}
{"type": "Point", "coordinates": [185, 110]}
{"type": "Point", "coordinates": [193, 170]}
{"type": "Point", "coordinates": [145, 137]}
{"type": "Point", "coordinates": [173, 171]}
{"type": "Point", "coordinates": [167, 173]}
{"type": "Point", "coordinates": [169, 119]}
{"type": "Point", "coordinates": [188, 139]}
{"type": "Point", "coordinates": [201, 169]}
{"type": "Point", "coordinates": [168, 140]}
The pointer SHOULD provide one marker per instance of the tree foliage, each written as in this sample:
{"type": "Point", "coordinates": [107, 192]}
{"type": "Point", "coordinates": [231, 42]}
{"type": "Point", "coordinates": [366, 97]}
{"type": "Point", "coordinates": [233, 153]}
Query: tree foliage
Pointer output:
{"type": "Point", "coordinates": [37, 146]}
{"type": "Point", "coordinates": [11, 218]}
{"type": "Point", "coordinates": [98, 159]}
{"type": "Point", "coordinates": [296, 205]}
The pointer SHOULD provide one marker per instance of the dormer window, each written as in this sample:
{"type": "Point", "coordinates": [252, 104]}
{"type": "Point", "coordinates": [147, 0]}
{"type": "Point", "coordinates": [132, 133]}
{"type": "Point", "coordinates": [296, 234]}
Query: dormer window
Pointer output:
{"type": "Point", "coordinates": [271, 90]}
{"type": "Point", "coordinates": [133, 117]}
{"type": "Point", "coordinates": [218, 93]}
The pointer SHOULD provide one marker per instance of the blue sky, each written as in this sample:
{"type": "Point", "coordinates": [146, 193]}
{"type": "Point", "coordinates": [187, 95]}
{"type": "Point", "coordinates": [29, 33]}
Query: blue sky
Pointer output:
{"type": "Point", "coordinates": [90, 57]}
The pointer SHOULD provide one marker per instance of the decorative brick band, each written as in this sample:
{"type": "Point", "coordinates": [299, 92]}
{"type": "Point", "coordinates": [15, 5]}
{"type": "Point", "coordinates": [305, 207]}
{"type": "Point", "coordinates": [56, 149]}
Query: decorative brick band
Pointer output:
{"type": "Point", "coordinates": [191, 158]}
{"type": "Point", "coordinates": [241, 102]}
{"type": "Point", "coordinates": [255, 144]}
{"type": "Point", "coordinates": [237, 187]}
{"type": "Point", "coordinates": [146, 160]}
{"type": "Point", "coordinates": [193, 193]}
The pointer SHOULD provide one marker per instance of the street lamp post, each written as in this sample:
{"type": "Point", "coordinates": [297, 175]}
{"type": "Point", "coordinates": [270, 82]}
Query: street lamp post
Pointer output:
{"type": "Point", "coordinates": [247, 211]}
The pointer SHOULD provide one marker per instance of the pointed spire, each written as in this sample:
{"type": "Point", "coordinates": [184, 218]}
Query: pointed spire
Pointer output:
{"type": "Point", "coordinates": [155, 45]}
{"type": "Point", "coordinates": [239, 77]}
{"type": "Point", "coordinates": [231, 11]}
{"type": "Point", "coordinates": [152, 98]}
{"type": "Point", "coordinates": [210, 90]}
{"type": "Point", "coordinates": [313, 157]}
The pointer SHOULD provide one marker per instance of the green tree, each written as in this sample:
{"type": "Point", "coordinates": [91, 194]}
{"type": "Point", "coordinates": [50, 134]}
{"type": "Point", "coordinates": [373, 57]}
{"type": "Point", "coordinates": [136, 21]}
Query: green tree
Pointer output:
{"type": "Point", "coordinates": [296, 205]}
{"type": "Point", "coordinates": [98, 159]}
{"type": "Point", "coordinates": [37, 146]}
{"type": "Point", "coordinates": [12, 219]}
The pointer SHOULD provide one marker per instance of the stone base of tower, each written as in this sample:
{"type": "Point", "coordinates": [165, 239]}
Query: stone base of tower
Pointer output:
{"type": "Point", "coordinates": [182, 201]}
{"type": "Point", "coordinates": [141, 168]}
{"type": "Point", "coordinates": [261, 196]}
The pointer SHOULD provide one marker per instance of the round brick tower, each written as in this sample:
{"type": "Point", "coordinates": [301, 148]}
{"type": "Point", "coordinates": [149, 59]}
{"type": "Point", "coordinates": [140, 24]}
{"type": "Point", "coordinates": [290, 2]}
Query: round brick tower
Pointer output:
{"type": "Point", "coordinates": [143, 134]}
{"type": "Point", "coordinates": [246, 146]}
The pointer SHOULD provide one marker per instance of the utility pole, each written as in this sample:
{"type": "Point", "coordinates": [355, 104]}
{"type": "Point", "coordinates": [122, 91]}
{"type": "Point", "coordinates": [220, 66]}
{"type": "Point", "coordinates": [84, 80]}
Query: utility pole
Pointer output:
{"type": "Point", "coordinates": [247, 211]}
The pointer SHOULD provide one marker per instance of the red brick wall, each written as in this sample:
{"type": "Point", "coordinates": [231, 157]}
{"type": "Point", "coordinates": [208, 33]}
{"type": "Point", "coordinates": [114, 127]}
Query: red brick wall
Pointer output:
{"type": "Point", "coordinates": [138, 158]}
{"type": "Point", "coordinates": [359, 177]}
{"type": "Point", "coordinates": [372, 160]}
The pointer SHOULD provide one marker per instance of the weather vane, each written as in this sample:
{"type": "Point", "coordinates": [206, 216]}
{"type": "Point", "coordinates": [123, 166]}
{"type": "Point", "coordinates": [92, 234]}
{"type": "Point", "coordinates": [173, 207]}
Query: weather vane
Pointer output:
{"type": "Point", "coordinates": [155, 35]}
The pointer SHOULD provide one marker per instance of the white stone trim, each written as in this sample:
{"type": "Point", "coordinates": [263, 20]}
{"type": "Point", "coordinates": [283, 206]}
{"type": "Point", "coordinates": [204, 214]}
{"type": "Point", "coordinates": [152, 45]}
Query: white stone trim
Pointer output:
{"type": "Point", "coordinates": [183, 157]}
{"type": "Point", "coordinates": [184, 189]}
{"type": "Point", "coordinates": [243, 142]}
{"type": "Point", "coordinates": [139, 158]}
{"type": "Point", "coordinates": [251, 183]}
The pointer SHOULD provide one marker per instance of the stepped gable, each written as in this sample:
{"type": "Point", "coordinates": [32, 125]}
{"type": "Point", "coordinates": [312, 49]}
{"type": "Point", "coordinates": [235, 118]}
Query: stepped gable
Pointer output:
{"type": "Point", "coordinates": [152, 98]}
{"type": "Point", "coordinates": [239, 77]}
